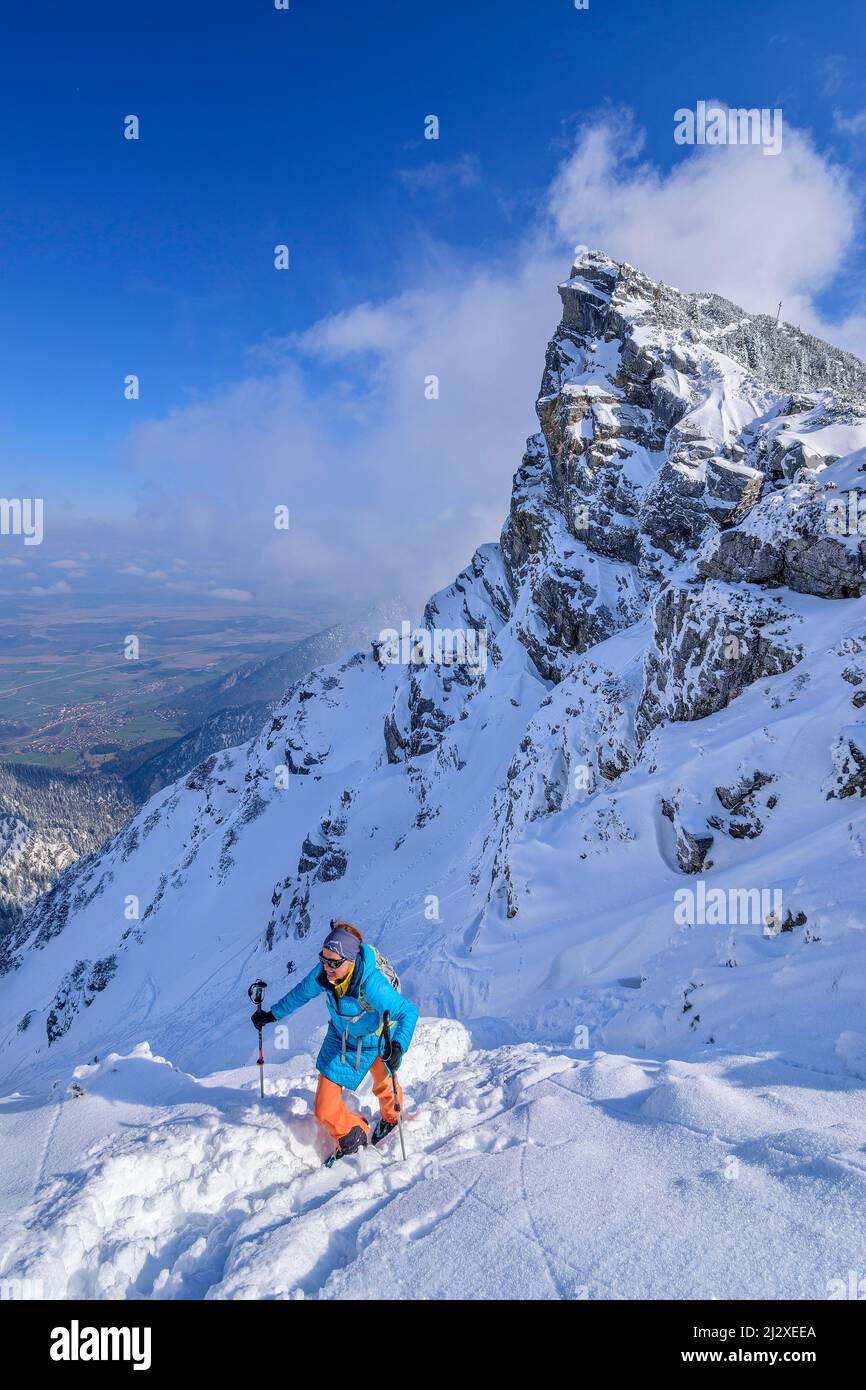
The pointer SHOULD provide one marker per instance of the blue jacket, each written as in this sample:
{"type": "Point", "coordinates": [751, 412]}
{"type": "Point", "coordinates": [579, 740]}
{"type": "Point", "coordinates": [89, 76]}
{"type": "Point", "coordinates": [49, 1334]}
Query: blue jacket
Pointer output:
{"type": "Point", "coordinates": [351, 1043]}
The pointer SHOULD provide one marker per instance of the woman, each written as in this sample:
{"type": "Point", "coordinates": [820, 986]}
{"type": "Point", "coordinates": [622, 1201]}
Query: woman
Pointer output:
{"type": "Point", "coordinates": [357, 994]}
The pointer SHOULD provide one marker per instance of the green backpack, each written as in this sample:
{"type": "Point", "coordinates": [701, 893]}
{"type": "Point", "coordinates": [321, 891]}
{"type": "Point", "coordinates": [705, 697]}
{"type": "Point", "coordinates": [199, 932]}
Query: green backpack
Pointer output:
{"type": "Point", "coordinates": [384, 965]}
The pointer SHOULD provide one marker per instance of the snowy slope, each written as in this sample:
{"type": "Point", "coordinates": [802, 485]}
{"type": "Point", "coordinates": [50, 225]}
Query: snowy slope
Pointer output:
{"type": "Point", "coordinates": [232, 708]}
{"type": "Point", "coordinates": [48, 819]}
{"type": "Point", "coordinates": [531, 1172]}
{"type": "Point", "coordinates": [670, 714]}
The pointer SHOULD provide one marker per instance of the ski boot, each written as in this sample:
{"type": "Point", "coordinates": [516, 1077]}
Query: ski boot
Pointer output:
{"type": "Point", "coordinates": [349, 1144]}
{"type": "Point", "coordinates": [383, 1128]}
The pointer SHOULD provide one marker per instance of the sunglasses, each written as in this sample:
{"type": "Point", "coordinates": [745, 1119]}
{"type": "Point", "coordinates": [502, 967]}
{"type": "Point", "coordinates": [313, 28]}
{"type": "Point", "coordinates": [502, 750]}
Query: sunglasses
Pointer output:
{"type": "Point", "coordinates": [332, 961]}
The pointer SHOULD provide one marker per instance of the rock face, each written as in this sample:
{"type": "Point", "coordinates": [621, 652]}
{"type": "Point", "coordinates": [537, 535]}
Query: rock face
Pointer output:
{"type": "Point", "coordinates": [657, 669]}
{"type": "Point", "coordinates": [692, 846]}
{"type": "Point", "coordinates": [742, 801]}
{"type": "Point", "coordinates": [790, 540]}
{"type": "Point", "coordinates": [849, 763]}
{"type": "Point", "coordinates": [710, 643]}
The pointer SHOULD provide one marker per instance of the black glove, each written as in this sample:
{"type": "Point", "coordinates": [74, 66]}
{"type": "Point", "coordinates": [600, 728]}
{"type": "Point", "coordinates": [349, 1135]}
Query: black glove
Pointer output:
{"type": "Point", "coordinates": [263, 1016]}
{"type": "Point", "coordinates": [392, 1056]}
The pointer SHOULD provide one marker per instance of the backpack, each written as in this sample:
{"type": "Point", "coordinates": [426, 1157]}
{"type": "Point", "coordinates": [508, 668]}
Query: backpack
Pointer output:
{"type": "Point", "coordinates": [384, 965]}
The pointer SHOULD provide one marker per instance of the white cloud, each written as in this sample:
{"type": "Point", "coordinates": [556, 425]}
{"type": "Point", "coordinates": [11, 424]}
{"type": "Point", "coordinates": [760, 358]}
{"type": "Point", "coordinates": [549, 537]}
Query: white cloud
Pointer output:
{"type": "Point", "coordinates": [61, 587]}
{"type": "Point", "coordinates": [851, 125]}
{"type": "Point", "coordinates": [139, 572]}
{"type": "Point", "coordinates": [232, 595]}
{"type": "Point", "coordinates": [390, 492]}
{"type": "Point", "coordinates": [343, 435]}
{"type": "Point", "coordinates": [439, 176]}
{"type": "Point", "coordinates": [725, 218]}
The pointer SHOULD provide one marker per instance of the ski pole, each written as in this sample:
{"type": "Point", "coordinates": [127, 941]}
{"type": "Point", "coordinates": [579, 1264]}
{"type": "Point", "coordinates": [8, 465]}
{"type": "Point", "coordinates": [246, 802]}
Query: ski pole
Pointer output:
{"type": "Point", "coordinates": [386, 1028]}
{"type": "Point", "coordinates": [259, 986]}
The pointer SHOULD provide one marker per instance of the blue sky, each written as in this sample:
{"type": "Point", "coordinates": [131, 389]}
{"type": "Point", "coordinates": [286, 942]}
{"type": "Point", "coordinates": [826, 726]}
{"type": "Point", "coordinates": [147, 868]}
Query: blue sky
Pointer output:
{"type": "Point", "coordinates": [306, 127]}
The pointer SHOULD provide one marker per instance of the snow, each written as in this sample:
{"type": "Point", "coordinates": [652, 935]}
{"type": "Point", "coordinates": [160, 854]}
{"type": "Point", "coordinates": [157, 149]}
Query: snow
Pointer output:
{"type": "Point", "coordinates": [532, 1171]}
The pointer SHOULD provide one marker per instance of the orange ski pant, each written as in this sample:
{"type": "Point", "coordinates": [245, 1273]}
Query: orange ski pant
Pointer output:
{"type": "Point", "coordinates": [338, 1119]}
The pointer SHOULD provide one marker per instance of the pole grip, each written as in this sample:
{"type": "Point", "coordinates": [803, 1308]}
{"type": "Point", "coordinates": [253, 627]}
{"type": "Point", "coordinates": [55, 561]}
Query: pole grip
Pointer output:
{"type": "Point", "coordinates": [259, 986]}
